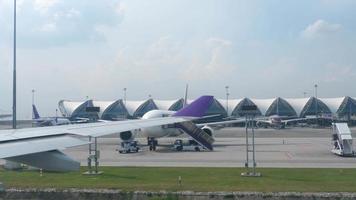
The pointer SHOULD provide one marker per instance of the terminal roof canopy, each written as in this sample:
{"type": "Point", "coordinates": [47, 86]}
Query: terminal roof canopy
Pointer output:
{"type": "Point", "coordinates": [68, 107]}
{"type": "Point", "coordinates": [232, 103]}
{"type": "Point", "coordinates": [173, 105]}
{"type": "Point", "coordinates": [314, 107]}
{"type": "Point", "coordinates": [132, 106]}
{"type": "Point", "coordinates": [347, 107]}
{"type": "Point", "coordinates": [298, 104]}
{"type": "Point", "coordinates": [114, 111]}
{"type": "Point", "coordinates": [238, 111]}
{"type": "Point", "coordinates": [292, 107]}
{"type": "Point", "coordinates": [77, 110]}
{"type": "Point", "coordinates": [341, 107]}
{"type": "Point", "coordinates": [145, 107]}
{"type": "Point", "coordinates": [281, 107]}
{"type": "Point", "coordinates": [177, 105]}
{"type": "Point", "coordinates": [263, 104]}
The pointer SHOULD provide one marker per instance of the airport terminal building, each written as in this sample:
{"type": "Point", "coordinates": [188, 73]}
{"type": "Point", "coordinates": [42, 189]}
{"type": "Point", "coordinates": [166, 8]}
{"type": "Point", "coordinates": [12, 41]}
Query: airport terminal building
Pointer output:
{"type": "Point", "coordinates": [342, 108]}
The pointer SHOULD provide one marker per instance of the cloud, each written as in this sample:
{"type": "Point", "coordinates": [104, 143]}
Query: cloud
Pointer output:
{"type": "Point", "coordinates": [44, 5]}
{"type": "Point", "coordinates": [320, 28]}
{"type": "Point", "coordinates": [216, 66]}
{"type": "Point", "coordinates": [339, 73]}
{"type": "Point", "coordinates": [49, 23]}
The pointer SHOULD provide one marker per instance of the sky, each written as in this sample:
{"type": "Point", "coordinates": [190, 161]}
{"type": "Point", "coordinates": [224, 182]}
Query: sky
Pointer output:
{"type": "Point", "coordinates": [260, 49]}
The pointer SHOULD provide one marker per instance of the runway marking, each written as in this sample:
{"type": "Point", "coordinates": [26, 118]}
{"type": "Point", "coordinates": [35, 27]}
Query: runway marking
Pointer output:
{"type": "Point", "coordinates": [289, 156]}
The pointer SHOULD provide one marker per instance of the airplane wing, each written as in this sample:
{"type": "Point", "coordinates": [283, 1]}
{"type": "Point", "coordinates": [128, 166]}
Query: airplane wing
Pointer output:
{"type": "Point", "coordinates": [222, 123]}
{"type": "Point", "coordinates": [295, 120]}
{"type": "Point", "coordinates": [40, 147]}
{"type": "Point", "coordinates": [265, 122]}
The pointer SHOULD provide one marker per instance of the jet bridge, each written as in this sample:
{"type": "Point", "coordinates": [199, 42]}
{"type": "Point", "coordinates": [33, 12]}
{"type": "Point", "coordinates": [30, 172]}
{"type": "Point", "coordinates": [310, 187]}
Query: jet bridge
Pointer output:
{"type": "Point", "coordinates": [342, 140]}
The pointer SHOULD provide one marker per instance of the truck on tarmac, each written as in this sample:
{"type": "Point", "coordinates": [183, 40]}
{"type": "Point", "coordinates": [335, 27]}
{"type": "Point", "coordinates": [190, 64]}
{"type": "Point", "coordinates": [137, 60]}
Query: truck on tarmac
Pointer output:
{"type": "Point", "coordinates": [129, 147]}
{"type": "Point", "coordinates": [187, 145]}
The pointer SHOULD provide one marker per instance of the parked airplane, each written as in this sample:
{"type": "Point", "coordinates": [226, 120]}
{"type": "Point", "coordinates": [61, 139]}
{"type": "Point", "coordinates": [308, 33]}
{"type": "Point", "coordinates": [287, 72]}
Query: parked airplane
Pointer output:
{"type": "Point", "coordinates": [47, 121]}
{"type": "Point", "coordinates": [40, 147]}
{"type": "Point", "coordinates": [52, 121]}
{"type": "Point", "coordinates": [276, 121]}
{"type": "Point", "coordinates": [279, 122]}
{"type": "Point", "coordinates": [152, 133]}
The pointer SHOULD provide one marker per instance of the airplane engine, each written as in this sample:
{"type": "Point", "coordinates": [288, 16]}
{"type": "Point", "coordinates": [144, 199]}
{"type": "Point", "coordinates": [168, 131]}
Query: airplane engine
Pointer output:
{"type": "Point", "coordinates": [126, 136]}
{"type": "Point", "coordinates": [208, 130]}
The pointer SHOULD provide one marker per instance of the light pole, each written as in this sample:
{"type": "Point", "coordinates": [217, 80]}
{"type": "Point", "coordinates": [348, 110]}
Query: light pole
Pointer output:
{"type": "Point", "coordinates": [316, 97]}
{"type": "Point", "coordinates": [125, 96]}
{"type": "Point", "coordinates": [227, 100]}
{"type": "Point", "coordinates": [14, 125]}
{"type": "Point", "coordinates": [33, 101]}
{"type": "Point", "coordinates": [33, 96]}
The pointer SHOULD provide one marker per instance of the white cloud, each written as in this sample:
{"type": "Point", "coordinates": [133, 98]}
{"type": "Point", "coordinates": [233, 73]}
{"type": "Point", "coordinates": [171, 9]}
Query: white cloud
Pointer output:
{"type": "Point", "coordinates": [339, 73]}
{"type": "Point", "coordinates": [44, 5]}
{"type": "Point", "coordinates": [121, 8]}
{"type": "Point", "coordinates": [216, 66]}
{"type": "Point", "coordinates": [320, 28]}
{"type": "Point", "coordinates": [49, 27]}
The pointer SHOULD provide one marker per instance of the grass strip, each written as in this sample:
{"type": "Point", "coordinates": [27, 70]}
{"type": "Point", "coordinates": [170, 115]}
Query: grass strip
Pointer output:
{"type": "Point", "coordinates": [193, 179]}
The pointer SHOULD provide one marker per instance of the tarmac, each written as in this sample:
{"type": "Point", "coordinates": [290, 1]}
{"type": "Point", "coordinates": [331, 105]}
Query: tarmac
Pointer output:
{"type": "Point", "coordinates": [285, 148]}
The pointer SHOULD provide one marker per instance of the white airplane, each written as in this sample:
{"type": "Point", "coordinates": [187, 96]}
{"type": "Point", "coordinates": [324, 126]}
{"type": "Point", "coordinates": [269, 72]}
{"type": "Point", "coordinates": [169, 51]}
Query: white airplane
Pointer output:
{"type": "Point", "coordinates": [276, 121]}
{"type": "Point", "coordinates": [41, 146]}
{"type": "Point", "coordinates": [152, 133]}
{"type": "Point", "coordinates": [53, 121]}
{"type": "Point", "coordinates": [47, 121]}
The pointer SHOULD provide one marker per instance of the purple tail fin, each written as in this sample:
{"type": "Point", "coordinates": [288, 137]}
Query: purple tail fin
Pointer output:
{"type": "Point", "coordinates": [36, 115]}
{"type": "Point", "coordinates": [197, 108]}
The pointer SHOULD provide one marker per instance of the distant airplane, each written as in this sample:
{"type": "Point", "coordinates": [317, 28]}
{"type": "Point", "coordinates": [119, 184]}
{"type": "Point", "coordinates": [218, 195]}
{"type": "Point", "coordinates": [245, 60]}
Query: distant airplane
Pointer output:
{"type": "Point", "coordinates": [52, 121]}
{"type": "Point", "coordinates": [40, 147]}
{"type": "Point", "coordinates": [276, 121]}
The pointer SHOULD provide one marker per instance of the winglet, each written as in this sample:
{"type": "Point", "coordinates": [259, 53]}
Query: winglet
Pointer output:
{"type": "Point", "coordinates": [36, 115]}
{"type": "Point", "coordinates": [197, 108]}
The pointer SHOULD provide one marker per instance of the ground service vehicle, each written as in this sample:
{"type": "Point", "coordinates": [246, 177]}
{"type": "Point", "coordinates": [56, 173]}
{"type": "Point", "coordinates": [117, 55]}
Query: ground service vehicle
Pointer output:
{"type": "Point", "coordinates": [128, 147]}
{"type": "Point", "coordinates": [187, 145]}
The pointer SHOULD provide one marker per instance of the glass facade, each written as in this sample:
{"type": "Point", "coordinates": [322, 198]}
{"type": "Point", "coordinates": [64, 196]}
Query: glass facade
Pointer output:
{"type": "Point", "coordinates": [145, 107]}
{"type": "Point", "coordinates": [116, 111]}
{"type": "Point", "coordinates": [279, 106]}
{"type": "Point", "coordinates": [177, 105]}
{"type": "Point", "coordinates": [81, 112]}
{"type": "Point", "coordinates": [315, 107]}
{"type": "Point", "coordinates": [238, 112]}
{"type": "Point", "coordinates": [347, 108]}
{"type": "Point", "coordinates": [215, 109]}
{"type": "Point", "coordinates": [282, 108]}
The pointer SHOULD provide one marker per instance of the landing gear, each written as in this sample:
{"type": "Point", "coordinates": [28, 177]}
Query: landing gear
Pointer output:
{"type": "Point", "coordinates": [152, 143]}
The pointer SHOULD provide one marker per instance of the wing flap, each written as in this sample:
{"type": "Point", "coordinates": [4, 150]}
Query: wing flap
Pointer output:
{"type": "Point", "coordinates": [50, 160]}
{"type": "Point", "coordinates": [36, 145]}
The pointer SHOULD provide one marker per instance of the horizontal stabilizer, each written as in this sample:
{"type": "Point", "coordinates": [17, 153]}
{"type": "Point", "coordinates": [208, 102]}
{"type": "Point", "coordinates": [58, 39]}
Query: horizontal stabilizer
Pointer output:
{"type": "Point", "coordinates": [50, 160]}
{"type": "Point", "coordinates": [198, 134]}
